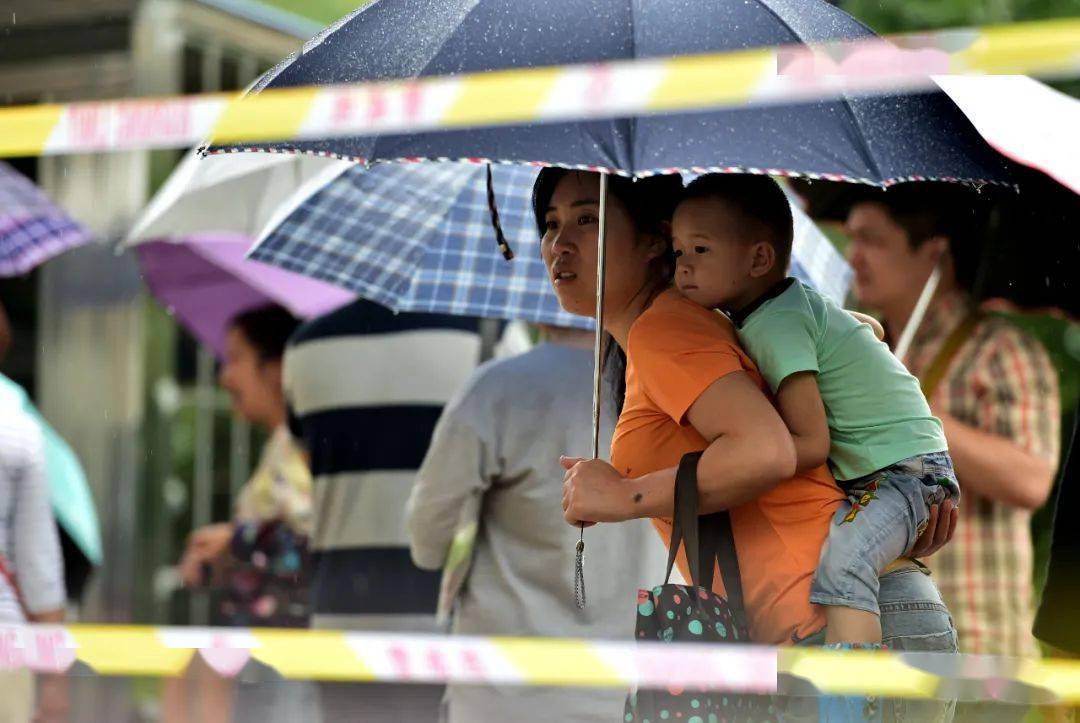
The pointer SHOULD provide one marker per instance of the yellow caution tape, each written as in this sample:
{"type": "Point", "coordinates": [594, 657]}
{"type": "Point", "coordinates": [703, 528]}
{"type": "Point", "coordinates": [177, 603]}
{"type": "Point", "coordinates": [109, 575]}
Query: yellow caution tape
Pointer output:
{"type": "Point", "coordinates": [536, 95]}
{"type": "Point", "coordinates": [560, 662]}
{"type": "Point", "coordinates": [123, 650]}
{"type": "Point", "coordinates": [837, 672]}
{"type": "Point", "coordinates": [405, 658]}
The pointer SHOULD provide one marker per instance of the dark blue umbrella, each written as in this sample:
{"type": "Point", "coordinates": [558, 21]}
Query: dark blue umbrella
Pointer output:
{"type": "Point", "coordinates": [879, 140]}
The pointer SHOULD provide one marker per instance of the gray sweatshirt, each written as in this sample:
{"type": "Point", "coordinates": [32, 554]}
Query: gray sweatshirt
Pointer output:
{"type": "Point", "coordinates": [501, 438]}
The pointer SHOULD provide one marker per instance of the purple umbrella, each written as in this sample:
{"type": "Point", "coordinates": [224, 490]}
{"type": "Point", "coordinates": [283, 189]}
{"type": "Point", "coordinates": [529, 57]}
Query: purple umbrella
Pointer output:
{"type": "Point", "coordinates": [205, 282]}
{"type": "Point", "coordinates": [32, 228]}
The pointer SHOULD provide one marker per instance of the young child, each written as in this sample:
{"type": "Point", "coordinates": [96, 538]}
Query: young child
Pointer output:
{"type": "Point", "coordinates": [843, 395]}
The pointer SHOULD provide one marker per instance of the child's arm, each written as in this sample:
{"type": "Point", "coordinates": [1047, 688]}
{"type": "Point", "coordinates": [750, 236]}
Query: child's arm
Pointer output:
{"type": "Point", "coordinates": [804, 414]}
{"type": "Point", "coordinates": [784, 344]}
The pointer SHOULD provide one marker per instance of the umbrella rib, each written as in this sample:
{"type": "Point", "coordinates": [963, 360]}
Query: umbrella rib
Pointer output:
{"type": "Point", "coordinates": [844, 101]}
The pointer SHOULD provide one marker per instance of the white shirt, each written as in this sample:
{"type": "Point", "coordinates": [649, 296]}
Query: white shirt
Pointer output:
{"type": "Point", "coordinates": [29, 541]}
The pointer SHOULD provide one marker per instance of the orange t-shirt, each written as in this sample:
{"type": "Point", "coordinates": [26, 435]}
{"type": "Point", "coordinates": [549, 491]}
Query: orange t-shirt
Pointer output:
{"type": "Point", "coordinates": [676, 351]}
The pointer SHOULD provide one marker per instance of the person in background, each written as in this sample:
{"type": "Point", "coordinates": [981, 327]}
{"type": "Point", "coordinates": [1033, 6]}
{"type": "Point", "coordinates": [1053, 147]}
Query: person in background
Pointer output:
{"type": "Point", "coordinates": [494, 459]}
{"type": "Point", "coordinates": [71, 499]}
{"type": "Point", "coordinates": [365, 388]}
{"type": "Point", "coordinates": [1056, 623]}
{"type": "Point", "coordinates": [31, 563]}
{"type": "Point", "coordinates": [996, 392]}
{"type": "Point", "coordinates": [260, 557]}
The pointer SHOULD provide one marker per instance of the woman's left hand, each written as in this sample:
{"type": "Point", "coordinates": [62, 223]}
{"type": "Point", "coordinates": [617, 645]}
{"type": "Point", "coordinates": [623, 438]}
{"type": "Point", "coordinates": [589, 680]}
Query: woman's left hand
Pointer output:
{"type": "Point", "coordinates": [593, 491]}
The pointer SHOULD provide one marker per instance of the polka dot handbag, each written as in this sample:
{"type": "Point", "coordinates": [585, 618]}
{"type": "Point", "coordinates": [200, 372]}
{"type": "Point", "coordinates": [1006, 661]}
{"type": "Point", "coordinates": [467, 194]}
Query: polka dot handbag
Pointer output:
{"type": "Point", "coordinates": [693, 613]}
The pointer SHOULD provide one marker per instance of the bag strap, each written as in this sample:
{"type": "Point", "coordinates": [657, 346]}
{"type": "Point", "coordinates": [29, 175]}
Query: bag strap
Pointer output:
{"type": "Point", "coordinates": [936, 371]}
{"type": "Point", "coordinates": [684, 520]}
{"type": "Point", "coordinates": [720, 542]}
{"type": "Point", "coordinates": [706, 543]}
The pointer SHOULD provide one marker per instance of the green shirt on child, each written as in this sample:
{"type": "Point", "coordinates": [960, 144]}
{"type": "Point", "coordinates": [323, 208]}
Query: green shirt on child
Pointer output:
{"type": "Point", "coordinates": [876, 411]}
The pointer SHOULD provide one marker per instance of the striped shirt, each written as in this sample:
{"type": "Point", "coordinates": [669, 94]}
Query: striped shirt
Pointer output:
{"type": "Point", "coordinates": [29, 541]}
{"type": "Point", "coordinates": [1000, 381]}
{"type": "Point", "coordinates": [365, 389]}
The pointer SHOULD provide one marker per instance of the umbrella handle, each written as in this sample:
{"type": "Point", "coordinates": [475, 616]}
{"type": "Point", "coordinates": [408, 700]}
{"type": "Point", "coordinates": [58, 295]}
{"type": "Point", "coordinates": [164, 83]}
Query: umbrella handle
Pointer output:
{"type": "Point", "coordinates": [598, 351]}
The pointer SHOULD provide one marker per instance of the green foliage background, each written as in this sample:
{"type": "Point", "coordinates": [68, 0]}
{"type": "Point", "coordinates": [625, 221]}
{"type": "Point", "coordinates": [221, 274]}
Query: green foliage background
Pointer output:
{"type": "Point", "coordinates": [898, 16]}
{"type": "Point", "coordinates": [323, 11]}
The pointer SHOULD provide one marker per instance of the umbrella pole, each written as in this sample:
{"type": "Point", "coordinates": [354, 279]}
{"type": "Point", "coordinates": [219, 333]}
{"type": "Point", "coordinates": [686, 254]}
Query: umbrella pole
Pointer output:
{"type": "Point", "coordinates": [917, 314]}
{"type": "Point", "coordinates": [598, 360]}
{"type": "Point", "coordinates": [598, 351]}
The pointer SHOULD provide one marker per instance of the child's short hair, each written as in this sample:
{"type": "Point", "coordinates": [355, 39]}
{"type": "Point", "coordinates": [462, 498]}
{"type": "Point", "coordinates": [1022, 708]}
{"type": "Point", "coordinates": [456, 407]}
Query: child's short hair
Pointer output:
{"type": "Point", "coordinates": [759, 199]}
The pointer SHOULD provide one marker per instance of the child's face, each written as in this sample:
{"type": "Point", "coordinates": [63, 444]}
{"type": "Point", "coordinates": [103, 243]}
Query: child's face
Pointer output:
{"type": "Point", "coordinates": [713, 261]}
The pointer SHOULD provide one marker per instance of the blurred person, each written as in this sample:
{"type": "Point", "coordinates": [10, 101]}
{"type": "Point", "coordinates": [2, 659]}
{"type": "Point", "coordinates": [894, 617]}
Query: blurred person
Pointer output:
{"type": "Point", "coordinates": [365, 388]}
{"type": "Point", "coordinates": [494, 463]}
{"type": "Point", "coordinates": [996, 392]}
{"type": "Point", "coordinates": [1056, 623]}
{"type": "Point", "coordinates": [71, 500]}
{"type": "Point", "coordinates": [31, 563]}
{"type": "Point", "coordinates": [260, 557]}
{"type": "Point", "coordinates": [273, 509]}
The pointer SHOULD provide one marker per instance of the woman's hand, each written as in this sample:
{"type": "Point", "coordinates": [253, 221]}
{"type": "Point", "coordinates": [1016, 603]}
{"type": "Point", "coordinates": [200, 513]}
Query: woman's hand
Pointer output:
{"type": "Point", "coordinates": [205, 546]}
{"type": "Point", "coordinates": [593, 491]}
{"type": "Point", "coordinates": [940, 527]}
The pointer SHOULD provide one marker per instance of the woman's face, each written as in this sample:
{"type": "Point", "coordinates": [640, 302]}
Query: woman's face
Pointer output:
{"type": "Point", "coordinates": [569, 247]}
{"type": "Point", "coordinates": [253, 384]}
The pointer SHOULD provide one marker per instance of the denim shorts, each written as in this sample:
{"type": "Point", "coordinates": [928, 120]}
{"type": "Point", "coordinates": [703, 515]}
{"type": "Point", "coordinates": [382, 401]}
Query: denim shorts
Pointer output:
{"type": "Point", "coordinates": [914, 620]}
{"type": "Point", "coordinates": [884, 514]}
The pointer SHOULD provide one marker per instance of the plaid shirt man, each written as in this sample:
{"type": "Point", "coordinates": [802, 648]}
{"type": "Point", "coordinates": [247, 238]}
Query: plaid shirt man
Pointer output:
{"type": "Point", "coordinates": [1000, 381]}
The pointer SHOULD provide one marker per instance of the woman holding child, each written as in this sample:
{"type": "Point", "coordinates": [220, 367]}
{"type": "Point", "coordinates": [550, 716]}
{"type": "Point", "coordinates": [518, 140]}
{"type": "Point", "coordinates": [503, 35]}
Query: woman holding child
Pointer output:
{"type": "Point", "coordinates": [686, 375]}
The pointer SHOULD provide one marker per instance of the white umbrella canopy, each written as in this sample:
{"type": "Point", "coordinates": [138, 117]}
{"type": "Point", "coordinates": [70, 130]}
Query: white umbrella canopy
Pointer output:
{"type": "Point", "coordinates": [1022, 119]}
{"type": "Point", "coordinates": [241, 194]}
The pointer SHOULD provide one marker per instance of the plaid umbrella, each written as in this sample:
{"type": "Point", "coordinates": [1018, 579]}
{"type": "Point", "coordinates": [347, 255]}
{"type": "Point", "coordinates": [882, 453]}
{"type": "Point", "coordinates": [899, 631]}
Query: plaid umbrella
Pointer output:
{"type": "Point", "coordinates": [814, 259]}
{"type": "Point", "coordinates": [32, 228]}
{"type": "Point", "coordinates": [419, 237]}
